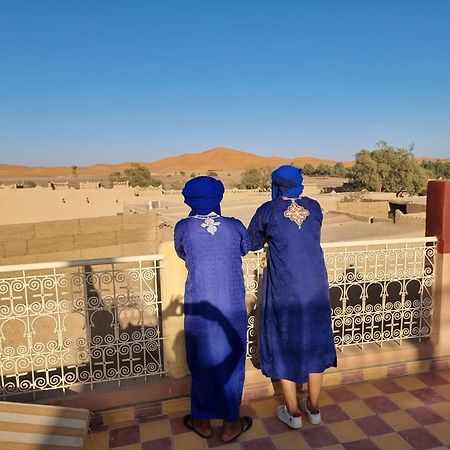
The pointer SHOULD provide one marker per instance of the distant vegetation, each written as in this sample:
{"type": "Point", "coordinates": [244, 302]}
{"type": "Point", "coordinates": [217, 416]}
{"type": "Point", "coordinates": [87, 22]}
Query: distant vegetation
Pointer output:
{"type": "Point", "coordinates": [437, 169]}
{"type": "Point", "coordinates": [136, 175]}
{"type": "Point", "coordinates": [260, 177]}
{"type": "Point", "coordinates": [388, 169]}
{"type": "Point", "coordinates": [256, 178]}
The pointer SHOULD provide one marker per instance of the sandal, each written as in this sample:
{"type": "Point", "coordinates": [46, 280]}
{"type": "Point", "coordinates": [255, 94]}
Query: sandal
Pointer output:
{"type": "Point", "coordinates": [246, 424]}
{"type": "Point", "coordinates": [188, 422]}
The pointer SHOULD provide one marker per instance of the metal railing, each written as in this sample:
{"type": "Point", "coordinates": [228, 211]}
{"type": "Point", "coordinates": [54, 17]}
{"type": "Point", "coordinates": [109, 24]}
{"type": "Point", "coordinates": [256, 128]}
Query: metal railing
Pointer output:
{"type": "Point", "coordinates": [380, 290]}
{"type": "Point", "coordinates": [79, 322]}
{"type": "Point", "coordinates": [90, 321]}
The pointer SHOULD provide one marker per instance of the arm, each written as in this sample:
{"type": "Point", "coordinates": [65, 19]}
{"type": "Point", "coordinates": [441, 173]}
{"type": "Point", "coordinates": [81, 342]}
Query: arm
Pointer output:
{"type": "Point", "coordinates": [178, 240]}
{"type": "Point", "coordinates": [245, 238]}
{"type": "Point", "coordinates": [257, 229]}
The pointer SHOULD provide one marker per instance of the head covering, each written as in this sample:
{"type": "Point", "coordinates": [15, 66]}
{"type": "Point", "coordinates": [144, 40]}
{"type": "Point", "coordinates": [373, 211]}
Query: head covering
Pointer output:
{"type": "Point", "coordinates": [203, 195]}
{"type": "Point", "coordinates": [287, 181]}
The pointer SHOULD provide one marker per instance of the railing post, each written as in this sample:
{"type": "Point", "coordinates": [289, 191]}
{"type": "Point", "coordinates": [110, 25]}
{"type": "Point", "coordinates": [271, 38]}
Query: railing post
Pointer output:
{"type": "Point", "coordinates": [438, 224]}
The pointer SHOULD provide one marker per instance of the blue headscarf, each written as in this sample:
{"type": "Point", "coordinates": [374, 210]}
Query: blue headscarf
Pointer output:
{"type": "Point", "coordinates": [203, 195]}
{"type": "Point", "coordinates": [287, 181]}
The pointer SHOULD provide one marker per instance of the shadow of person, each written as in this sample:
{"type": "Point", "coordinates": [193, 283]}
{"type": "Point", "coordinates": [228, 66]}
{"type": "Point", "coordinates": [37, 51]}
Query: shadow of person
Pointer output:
{"type": "Point", "coordinates": [215, 350]}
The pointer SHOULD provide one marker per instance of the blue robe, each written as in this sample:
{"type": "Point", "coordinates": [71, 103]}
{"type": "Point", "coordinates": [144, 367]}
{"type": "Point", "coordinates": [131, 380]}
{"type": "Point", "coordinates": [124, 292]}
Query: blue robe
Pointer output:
{"type": "Point", "coordinates": [295, 333]}
{"type": "Point", "coordinates": [215, 321]}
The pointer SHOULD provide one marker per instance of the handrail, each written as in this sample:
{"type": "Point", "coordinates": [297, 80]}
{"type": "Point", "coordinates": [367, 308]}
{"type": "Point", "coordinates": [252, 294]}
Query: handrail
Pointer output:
{"type": "Point", "coordinates": [416, 240]}
{"type": "Point", "coordinates": [79, 262]}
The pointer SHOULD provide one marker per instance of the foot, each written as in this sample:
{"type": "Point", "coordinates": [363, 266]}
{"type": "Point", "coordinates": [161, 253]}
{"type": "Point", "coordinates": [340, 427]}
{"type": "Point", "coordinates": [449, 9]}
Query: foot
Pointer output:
{"type": "Point", "coordinates": [313, 414]}
{"type": "Point", "coordinates": [232, 430]}
{"type": "Point", "coordinates": [293, 421]}
{"type": "Point", "coordinates": [198, 426]}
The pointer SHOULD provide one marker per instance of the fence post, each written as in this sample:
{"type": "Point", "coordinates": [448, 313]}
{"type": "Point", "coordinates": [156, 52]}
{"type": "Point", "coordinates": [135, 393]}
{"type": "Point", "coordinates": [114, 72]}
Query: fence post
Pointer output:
{"type": "Point", "coordinates": [438, 224]}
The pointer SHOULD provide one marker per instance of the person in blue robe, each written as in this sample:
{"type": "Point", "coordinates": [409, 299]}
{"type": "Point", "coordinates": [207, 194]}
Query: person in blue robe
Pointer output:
{"type": "Point", "coordinates": [296, 338]}
{"type": "Point", "coordinates": [215, 322]}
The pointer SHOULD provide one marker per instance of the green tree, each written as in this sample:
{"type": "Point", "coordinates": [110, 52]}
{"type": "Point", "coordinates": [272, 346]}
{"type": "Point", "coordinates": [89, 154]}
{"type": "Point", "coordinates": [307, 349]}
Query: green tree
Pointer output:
{"type": "Point", "coordinates": [137, 175]}
{"type": "Point", "coordinates": [339, 170]}
{"type": "Point", "coordinates": [256, 178]}
{"type": "Point", "coordinates": [75, 175]}
{"type": "Point", "coordinates": [389, 169]}
{"type": "Point", "coordinates": [308, 169]}
{"type": "Point", "coordinates": [324, 170]}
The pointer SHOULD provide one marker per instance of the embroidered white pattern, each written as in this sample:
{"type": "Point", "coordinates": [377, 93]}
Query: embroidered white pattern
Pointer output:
{"type": "Point", "coordinates": [210, 224]}
{"type": "Point", "coordinates": [296, 213]}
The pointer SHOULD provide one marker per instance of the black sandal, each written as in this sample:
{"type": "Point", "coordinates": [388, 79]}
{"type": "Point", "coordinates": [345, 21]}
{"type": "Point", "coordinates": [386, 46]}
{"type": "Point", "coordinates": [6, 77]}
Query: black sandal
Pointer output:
{"type": "Point", "coordinates": [246, 424]}
{"type": "Point", "coordinates": [188, 421]}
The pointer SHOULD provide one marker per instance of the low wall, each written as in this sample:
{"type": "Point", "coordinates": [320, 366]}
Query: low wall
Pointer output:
{"type": "Point", "coordinates": [372, 209]}
{"type": "Point", "coordinates": [410, 219]}
{"type": "Point", "coordinates": [97, 237]}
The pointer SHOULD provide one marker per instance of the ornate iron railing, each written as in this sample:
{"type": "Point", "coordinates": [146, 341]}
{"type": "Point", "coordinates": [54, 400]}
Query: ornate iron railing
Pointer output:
{"type": "Point", "coordinates": [379, 290]}
{"type": "Point", "coordinates": [79, 322]}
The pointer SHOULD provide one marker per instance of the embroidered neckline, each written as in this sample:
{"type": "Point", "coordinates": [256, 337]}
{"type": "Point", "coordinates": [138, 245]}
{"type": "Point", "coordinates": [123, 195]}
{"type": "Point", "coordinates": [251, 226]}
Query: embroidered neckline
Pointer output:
{"type": "Point", "coordinates": [296, 213]}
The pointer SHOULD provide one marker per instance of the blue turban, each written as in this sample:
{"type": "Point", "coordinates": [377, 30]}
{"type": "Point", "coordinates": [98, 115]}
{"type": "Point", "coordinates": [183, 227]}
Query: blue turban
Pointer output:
{"type": "Point", "coordinates": [203, 195]}
{"type": "Point", "coordinates": [287, 181]}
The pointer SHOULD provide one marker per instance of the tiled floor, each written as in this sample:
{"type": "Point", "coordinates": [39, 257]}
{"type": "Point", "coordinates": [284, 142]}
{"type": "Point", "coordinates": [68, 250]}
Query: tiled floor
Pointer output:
{"type": "Point", "coordinates": [410, 412]}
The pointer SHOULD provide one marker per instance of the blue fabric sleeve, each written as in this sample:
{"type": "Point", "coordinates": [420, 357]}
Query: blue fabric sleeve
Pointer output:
{"type": "Point", "coordinates": [178, 239]}
{"type": "Point", "coordinates": [245, 239]}
{"type": "Point", "coordinates": [257, 229]}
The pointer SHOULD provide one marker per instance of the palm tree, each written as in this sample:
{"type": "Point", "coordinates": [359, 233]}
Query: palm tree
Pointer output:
{"type": "Point", "coordinates": [75, 175]}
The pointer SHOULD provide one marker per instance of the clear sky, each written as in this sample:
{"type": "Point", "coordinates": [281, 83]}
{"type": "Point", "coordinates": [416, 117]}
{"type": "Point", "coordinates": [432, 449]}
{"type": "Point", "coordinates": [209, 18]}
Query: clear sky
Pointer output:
{"type": "Point", "coordinates": [86, 81]}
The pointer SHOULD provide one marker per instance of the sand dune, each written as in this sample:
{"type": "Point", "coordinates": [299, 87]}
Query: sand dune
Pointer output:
{"type": "Point", "coordinates": [219, 158]}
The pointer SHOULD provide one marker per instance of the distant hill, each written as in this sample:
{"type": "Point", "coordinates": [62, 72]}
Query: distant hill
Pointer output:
{"type": "Point", "coordinates": [219, 158]}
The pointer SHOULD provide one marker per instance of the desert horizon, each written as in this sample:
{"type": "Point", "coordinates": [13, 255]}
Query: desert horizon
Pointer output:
{"type": "Point", "coordinates": [218, 158]}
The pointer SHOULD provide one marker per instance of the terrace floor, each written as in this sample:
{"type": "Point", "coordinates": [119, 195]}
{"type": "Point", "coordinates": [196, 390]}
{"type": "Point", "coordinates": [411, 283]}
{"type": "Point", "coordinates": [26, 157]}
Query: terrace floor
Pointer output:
{"type": "Point", "coordinates": [409, 412]}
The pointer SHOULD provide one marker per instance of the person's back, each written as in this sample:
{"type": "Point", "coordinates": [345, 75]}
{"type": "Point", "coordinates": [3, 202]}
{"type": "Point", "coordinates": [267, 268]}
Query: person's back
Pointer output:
{"type": "Point", "coordinates": [215, 321]}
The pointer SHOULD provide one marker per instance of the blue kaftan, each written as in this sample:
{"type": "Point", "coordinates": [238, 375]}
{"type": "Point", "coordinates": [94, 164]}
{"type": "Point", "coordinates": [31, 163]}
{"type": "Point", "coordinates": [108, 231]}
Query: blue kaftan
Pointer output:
{"type": "Point", "coordinates": [215, 321]}
{"type": "Point", "coordinates": [295, 333]}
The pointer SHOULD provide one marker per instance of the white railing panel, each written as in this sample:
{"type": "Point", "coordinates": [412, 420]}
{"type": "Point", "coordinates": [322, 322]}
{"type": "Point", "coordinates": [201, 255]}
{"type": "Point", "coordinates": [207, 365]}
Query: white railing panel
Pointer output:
{"type": "Point", "coordinates": [380, 290]}
{"type": "Point", "coordinates": [79, 322]}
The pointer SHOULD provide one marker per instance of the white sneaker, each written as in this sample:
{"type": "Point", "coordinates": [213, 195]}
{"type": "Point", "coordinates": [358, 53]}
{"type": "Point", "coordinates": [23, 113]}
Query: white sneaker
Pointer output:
{"type": "Point", "coordinates": [316, 418]}
{"type": "Point", "coordinates": [285, 416]}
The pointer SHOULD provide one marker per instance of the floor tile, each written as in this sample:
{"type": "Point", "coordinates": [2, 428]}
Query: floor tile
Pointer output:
{"type": "Point", "coordinates": [256, 431]}
{"type": "Point", "coordinates": [291, 440]}
{"type": "Point", "coordinates": [118, 437]}
{"type": "Point", "coordinates": [333, 447]}
{"type": "Point", "coordinates": [381, 405]}
{"type": "Point", "coordinates": [159, 444]}
{"type": "Point", "coordinates": [130, 447]}
{"type": "Point", "coordinates": [364, 444]}
{"type": "Point", "coordinates": [420, 438]}
{"type": "Point", "coordinates": [424, 415]}
{"type": "Point", "coordinates": [341, 394]}
{"type": "Point", "coordinates": [356, 409]}
{"type": "Point", "coordinates": [332, 414]}
{"type": "Point", "coordinates": [388, 386]}
{"type": "Point", "coordinates": [247, 410]}
{"type": "Point", "coordinates": [347, 431]}
{"type": "Point", "coordinates": [265, 408]}
{"type": "Point", "coordinates": [431, 379]}
{"type": "Point", "coordinates": [273, 425]}
{"type": "Point", "coordinates": [410, 382]}
{"type": "Point", "coordinates": [444, 390]}
{"type": "Point", "coordinates": [154, 430]}
{"type": "Point", "coordinates": [405, 400]}
{"type": "Point", "coordinates": [441, 431]}
{"type": "Point", "coordinates": [443, 409]}
{"type": "Point", "coordinates": [324, 398]}
{"type": "Point", "coordinates": [391, 442]}
{"type": "Point", "coordinates": [259, 444]}
{"type": "Point", "coordinates": [318, 436]}
{"type": "Point", "coordinates": [399, 420]}
{"type": "Point", "coordinates": [233, 446]}
{"type": "Point", "coordinates": [176, 425]}
{"type": "Point", "coordinates": [428, 396]}
{"type": "Point", "coordinates": [189, 441]}
{"type": "Point", "coordinates": [364, 390]}
{"type": "Point", "coordinates": [373, 425]}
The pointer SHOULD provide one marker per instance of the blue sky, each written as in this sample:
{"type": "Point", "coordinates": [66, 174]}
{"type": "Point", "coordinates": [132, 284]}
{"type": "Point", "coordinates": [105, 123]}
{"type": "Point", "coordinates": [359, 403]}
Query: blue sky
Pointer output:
{"type": "Point", "coordinates": [91, 81]}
